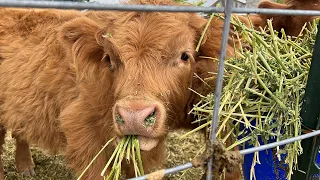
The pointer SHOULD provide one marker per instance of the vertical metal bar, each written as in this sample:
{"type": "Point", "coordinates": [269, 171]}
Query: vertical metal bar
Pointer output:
{"type": "Point", "coordinates": [218, 90]}
{"type": "Point", "coordinates": [223, 3]}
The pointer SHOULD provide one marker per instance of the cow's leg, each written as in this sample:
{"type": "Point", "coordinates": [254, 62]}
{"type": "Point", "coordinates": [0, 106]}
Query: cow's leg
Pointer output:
{"type": "Point", "coordinates": [2, 136]}
{"type": "Point", "coordinates": [24, 162]}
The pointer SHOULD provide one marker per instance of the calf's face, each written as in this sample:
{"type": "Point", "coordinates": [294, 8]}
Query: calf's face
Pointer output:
{"type": "Point", "coordinates": [152, 66]}
{"type": "Point", "coordinates": [151, 62]}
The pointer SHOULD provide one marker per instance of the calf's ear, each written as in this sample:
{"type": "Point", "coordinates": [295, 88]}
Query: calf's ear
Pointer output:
{"type": "Point", "coordinates": [78, 39]}
{"type": "Point", "coordinates": [77, 28]}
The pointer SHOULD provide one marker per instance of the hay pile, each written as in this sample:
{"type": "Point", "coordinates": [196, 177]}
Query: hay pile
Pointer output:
{"type": "Point", "coordinates": [47, 167]}
{"type": "Point", "coordinates": [263, 91]}
{"type": "Point", "coordinates": [179, 151]}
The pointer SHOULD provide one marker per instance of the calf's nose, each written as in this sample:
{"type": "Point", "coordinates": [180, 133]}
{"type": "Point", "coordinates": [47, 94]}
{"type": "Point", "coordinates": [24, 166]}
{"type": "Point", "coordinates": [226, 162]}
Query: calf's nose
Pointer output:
{"type": "Point", "coordinates": [137, 120]}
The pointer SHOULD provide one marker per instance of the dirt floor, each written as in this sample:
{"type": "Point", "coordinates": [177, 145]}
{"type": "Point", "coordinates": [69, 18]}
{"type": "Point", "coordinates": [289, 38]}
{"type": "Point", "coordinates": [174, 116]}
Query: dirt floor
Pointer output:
{"type": "Point", "coordinates": [53, 167]}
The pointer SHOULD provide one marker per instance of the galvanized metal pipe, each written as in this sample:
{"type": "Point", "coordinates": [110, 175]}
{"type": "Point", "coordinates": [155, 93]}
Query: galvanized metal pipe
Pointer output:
{"type": "Point", "coordinates": [169, 171]}
{"type": "Point", "coordinates": [279, 143]}
{"type": "Point", "coordinates": [219, 81]}
{"type": "Point", "coordinates": [98, 6]}
{"type": "Point", "coordinates": [277, 11]}
{"type": "Point", "coordinates": [148, 8]}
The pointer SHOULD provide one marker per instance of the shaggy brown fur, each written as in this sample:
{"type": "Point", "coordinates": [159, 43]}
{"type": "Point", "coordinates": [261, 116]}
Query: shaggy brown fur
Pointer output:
{"type": "Point", "coordinates": [62, 73]}
{"type": "Point", "coordinates": [292, 25]}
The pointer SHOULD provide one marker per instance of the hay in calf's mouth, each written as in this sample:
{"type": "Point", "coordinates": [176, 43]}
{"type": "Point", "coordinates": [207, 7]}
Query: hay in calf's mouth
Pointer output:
{"type": "Point", "coordinates": [128, 148]}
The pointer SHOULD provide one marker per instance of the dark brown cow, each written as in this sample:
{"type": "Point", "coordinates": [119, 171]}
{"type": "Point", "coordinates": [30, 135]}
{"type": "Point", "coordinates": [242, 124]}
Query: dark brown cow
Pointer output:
{"type": "Point", "coordinates": [67, 77]}
{"type": "Point", "coordinates": [291, 24]}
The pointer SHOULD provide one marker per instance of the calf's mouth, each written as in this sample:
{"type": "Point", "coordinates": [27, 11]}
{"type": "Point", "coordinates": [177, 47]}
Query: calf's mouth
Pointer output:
{"type": "Point", "coordinates": [145, 143]}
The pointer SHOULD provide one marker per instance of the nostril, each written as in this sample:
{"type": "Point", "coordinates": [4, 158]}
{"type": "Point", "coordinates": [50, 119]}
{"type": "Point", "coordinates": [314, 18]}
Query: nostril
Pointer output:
{"type": "Point", "coordinates": [119, 119]}
{"type": "Point", "coordinates": [150, 120]}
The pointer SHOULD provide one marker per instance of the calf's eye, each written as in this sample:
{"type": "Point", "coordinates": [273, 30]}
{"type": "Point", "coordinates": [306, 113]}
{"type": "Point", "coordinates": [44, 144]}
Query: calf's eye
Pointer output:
{"type": "Point", "coordinates": [106, 59]}
{"type": "Point", "coordinates": [184, 56]}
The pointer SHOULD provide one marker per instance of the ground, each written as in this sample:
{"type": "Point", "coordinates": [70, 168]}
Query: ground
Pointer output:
{"type": "Point", "coordinates": [53, 167]}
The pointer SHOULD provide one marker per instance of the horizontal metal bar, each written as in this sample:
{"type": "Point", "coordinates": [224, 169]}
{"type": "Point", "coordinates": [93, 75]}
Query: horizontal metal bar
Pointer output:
{"type": "Point", "coordinates": [98, 6]}
{"type": "Point", "coordinates": [279, 143]}
{"type": "Point", "coordinates": [277, 11]}
{"type": "Point", "coordinates": [168, 171]}
{"type": "Point", "coordinates": [243, 152]}
{"type": "Point", "coordinates": [124, 7]}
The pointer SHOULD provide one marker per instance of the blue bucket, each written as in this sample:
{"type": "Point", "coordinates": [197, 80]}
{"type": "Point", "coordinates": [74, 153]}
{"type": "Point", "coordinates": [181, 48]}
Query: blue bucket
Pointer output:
{"type": "Point", "coordinates": [270, 168]}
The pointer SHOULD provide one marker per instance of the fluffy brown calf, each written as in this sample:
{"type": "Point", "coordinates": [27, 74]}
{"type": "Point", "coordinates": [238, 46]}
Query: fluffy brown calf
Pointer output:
{"type": "Point", "coordinates": [70, 80]}
{"type": "Point", "coordinates": [291, 24]}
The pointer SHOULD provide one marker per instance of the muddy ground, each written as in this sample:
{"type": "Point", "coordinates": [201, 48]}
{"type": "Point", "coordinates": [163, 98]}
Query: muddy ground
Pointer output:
{"type": "Point", "coordinates": [53, 167]}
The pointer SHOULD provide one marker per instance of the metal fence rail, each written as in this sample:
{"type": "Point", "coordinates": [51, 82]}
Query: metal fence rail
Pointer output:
{"type": "Point", "coordinates": [219, 81]}
{"type": "Point", "coordinates": [124, 7]}
{"type": "Point", "coordinates": [149, 8]}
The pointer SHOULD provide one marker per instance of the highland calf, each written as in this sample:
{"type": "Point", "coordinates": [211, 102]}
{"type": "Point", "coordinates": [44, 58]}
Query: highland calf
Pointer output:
{"type": "Point", "coordinates": [292, 24]}
{"type": "Point", "coordinates": [67, 77]}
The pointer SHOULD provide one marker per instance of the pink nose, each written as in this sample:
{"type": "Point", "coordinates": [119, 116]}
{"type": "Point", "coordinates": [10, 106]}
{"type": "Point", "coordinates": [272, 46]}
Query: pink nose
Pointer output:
{"type": "Point", "coordinates": [139, 120]}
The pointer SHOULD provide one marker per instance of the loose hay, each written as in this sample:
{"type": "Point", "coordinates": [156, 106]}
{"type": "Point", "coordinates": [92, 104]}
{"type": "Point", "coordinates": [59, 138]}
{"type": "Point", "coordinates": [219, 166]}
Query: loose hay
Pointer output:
{"type": "Point", "coordinates": [53, 167]}
{"type": "Point", "coordinates": [46, 167]}
{"type": "Point", "coordinates": [263, 91]}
